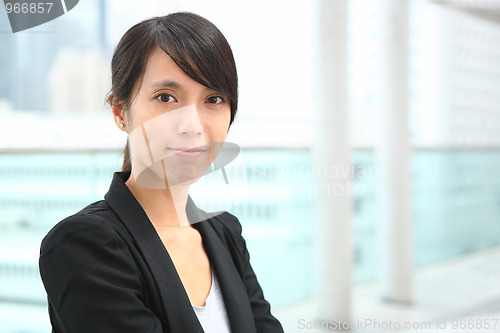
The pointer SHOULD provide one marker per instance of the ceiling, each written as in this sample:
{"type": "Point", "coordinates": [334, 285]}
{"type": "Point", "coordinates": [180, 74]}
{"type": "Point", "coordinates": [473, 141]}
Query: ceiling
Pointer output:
{"type": "Point", "coordinates": [488, 9]}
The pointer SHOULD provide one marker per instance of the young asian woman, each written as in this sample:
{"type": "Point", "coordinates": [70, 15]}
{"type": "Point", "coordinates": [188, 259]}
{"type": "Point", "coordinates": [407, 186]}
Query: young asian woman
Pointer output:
{"type": "Point", "coordinates": [146, 259]}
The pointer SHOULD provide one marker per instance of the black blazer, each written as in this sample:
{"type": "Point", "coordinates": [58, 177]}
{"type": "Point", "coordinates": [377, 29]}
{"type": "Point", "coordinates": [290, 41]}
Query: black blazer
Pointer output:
{"type": "Point", "coordinates": [105, 269]}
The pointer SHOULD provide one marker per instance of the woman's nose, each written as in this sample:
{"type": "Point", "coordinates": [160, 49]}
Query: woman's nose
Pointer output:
{"type": "Point", "coordinates": [188, 122]}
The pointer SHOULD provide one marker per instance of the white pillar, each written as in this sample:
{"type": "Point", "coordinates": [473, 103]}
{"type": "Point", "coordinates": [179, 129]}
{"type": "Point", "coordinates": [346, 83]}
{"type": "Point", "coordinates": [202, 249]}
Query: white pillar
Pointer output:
{"type": "Point", "coordinates": [394, 158]}
{"type": "Point", "coordinates": [334, 253]}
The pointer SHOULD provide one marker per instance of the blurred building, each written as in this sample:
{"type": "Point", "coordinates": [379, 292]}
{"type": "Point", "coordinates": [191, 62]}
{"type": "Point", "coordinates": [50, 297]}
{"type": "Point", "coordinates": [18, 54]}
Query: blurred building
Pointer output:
{"type": "Point", "coordinates": [8, 61]}
{"type": "Point", "coordinates": [78, 82]}
{"type": "Point", "coordinates": [30, 55]}
{"type": "Point", "coordinates": [455, 73]}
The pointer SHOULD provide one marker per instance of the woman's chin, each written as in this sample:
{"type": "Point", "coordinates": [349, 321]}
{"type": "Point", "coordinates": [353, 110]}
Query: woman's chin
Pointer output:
{"type": "Point", "coordinates": [157, 177]}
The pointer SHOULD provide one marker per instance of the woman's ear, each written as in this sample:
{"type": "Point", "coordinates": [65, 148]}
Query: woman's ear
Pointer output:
{"type": "Point", "coordinates": [118, 114]}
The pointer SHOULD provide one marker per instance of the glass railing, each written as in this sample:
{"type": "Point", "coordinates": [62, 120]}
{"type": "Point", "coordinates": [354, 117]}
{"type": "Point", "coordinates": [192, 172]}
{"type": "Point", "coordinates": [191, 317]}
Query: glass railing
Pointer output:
{"type": "Point", "coordinates": [456, 203]}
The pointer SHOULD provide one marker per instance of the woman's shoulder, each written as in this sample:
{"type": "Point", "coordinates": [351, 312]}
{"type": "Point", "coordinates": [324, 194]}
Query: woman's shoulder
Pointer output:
{"type": "Point", "coordinates": [96, 218]}
{"type": "Point", "coordinates": [227, 221]}
{"type": "Point", "coordinates": [229, 229]}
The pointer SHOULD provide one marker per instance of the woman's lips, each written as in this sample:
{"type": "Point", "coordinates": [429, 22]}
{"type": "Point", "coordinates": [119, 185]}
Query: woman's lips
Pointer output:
{"type": "Point", "coordinates": [188, 152]}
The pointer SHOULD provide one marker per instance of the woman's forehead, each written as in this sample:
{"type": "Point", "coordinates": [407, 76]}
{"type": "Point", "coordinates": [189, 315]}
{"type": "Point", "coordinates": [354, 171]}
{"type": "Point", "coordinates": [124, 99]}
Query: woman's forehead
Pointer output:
{"type": "Point", "coordinates": [160, 64]}
{"type": "Point", "coordinates": [161, 69]}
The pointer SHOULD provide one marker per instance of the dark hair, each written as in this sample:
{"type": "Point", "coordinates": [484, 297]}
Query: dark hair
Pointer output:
{"type": "Point", "coordinates": [193, 43]}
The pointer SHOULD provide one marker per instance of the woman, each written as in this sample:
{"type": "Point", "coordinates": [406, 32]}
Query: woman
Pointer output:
{"type": "Point", "coordinates": [146, 259]}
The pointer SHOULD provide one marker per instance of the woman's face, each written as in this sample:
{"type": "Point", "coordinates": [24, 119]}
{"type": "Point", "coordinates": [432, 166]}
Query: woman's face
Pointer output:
{"type": "Point", "coordinates": [176, 126]}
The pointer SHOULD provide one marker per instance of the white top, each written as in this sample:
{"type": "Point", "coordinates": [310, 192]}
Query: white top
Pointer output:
{"type": "Point", "coordinates": [213, 316]}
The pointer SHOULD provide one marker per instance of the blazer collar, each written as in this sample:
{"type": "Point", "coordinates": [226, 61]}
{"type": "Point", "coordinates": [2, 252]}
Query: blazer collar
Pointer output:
{"type": "Point", "coordinates": [178, 309]}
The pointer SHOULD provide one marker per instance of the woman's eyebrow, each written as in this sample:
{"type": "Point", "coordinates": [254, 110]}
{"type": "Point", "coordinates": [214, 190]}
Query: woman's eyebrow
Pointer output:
{"type": "Point", "coordinates": [166, 84]}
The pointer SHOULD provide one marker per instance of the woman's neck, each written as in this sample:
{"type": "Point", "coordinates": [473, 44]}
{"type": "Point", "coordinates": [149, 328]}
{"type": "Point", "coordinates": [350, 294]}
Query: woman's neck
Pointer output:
{"type": "Point", "coordinates": [165, 207]}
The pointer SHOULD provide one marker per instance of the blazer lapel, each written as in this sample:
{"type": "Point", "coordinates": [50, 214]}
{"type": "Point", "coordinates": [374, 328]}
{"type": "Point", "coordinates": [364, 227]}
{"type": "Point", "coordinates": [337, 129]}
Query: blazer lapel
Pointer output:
{"type": "Point", "coordinates": [178, 309]}
{"type": "Point", "coordinates": [233, 290]}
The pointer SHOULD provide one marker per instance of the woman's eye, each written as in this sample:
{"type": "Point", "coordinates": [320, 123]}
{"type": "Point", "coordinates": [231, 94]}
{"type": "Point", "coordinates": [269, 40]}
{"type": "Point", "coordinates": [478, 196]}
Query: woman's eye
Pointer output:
{"type": "Point", "coordinates": [165, 98]}
{"type": "Point", "coordinates": [215, 100]}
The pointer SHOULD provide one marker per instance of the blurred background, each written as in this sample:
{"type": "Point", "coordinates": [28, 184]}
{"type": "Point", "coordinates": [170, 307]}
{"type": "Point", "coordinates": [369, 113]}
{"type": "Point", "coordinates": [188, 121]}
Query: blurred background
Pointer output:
{"type": "Point", "coordinates": [370, 135]}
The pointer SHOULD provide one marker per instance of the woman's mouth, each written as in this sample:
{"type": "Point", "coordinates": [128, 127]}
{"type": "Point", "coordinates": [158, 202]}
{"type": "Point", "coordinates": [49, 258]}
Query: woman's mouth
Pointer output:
{"type": "Point", "coordinates": [188, 152]}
